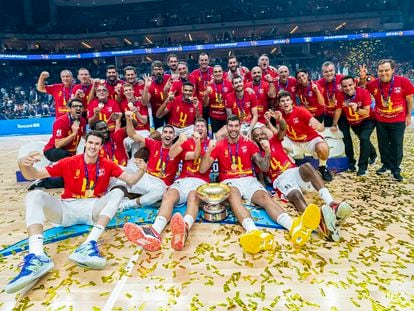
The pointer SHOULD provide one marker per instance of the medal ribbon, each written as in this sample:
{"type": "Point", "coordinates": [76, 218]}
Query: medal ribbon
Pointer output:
{"type": "Point", "coordinates": [240, 104]}
{"type": "Point", "coordinates": [88, 182]}
{"type": "Point", "coordinates": [330, 96]}
{"type": "Point", "coordinates": [389, 91]}
{"type": "Point", "coordinates": [236, 155]}
{"type": "Point", "coordinates": [219, 93]}
{"type": "Point", "coordinates": [163, 164]}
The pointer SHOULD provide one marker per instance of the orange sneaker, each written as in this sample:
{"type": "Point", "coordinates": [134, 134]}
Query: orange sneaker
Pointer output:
{"type": "Point", "coordinates": [144, 236]}
{"type": "Point", "coordinates": [179, 232]}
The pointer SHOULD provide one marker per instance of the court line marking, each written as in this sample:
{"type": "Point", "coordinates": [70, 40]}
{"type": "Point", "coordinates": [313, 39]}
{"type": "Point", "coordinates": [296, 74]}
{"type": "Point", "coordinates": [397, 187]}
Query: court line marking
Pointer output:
{"type": "Point", "coordinates": [121, 282]}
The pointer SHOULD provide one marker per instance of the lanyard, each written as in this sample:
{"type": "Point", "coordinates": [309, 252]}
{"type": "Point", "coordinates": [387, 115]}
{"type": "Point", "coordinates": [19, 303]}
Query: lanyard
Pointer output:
{"type": "Point", "coordinates": [67, 93]}
{"type": "Point", "coordinates": [236, 155]}
{"type": "Point", "coordinates": [258, 90]}
{"type": "Point", "coordinates": [387, 99]}
{"type": "Point", "coordinates": [205, 81]}
{"type": "Point", "coordinates": [280, 86]}
{"type": "Point", "coordinates": [88, 182]}
{"type": "Point", "coordinates": [219, 98]}
{"type": "Point", "coordinates": [330, 96]}
{"type": "Point", "coordinates": [163, 164]}
{"type": "Point", "coordinates": [349, 99]}
{"type": "Point", "coordinates": [240, 104]}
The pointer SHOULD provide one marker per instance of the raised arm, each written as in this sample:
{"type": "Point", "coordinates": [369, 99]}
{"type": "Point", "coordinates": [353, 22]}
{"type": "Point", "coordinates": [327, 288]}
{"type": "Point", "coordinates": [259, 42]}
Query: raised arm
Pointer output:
{"type": "Point", "coordinates": [26, 167]}
{"type": "Point", "coordinates": [130, 128]}
{"type": "Point", "coordinates": [41, 87]}
{"type": "Point", "coordinates": [207, 160]}
{"type": "Point", "coordinates": [263, 162]}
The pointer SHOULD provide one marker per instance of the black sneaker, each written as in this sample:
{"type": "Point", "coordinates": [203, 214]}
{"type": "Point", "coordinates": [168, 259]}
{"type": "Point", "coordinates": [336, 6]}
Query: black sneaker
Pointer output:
{"type": "Point", "coordinates": [352, 168]}
{"type": "Point", "coordinates": [382, 170]}
{"type": "Point", "coordinates": [37, 184]}
{"type": "Point", "coordinates": [361, 173]}
{"type": "Point", "coordinates": [326, 174]}
{"type": "Point", "coordinates": [397, 176]}
{"type": "Point", "coordinates": [372, 160]}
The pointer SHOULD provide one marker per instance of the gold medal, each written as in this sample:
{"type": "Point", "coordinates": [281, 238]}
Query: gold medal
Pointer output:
{"type": "Point", "coordinates": [89, 193]}
{"type": "Point", "coordinates": [385, 103]}
{"type": "Point", "coordinates": [234, 166]}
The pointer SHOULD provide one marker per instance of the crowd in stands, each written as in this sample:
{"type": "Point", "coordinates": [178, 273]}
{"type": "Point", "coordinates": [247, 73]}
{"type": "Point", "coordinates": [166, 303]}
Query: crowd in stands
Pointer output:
{"type": "Point", "coordinates": [174, 13]}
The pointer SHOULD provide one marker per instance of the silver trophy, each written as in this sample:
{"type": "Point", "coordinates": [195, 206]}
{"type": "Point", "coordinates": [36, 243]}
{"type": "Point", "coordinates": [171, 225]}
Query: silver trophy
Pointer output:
{"type": "Point", "coordinates": [215, 204]}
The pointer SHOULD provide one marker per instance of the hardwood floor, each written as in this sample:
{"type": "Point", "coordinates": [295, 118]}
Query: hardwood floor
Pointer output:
{"type": "Point", "coordinates": [371, 268]}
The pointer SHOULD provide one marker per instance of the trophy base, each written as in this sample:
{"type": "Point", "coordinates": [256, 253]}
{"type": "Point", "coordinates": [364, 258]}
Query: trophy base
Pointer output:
{"type": "Point", "coordinates": [214, 212]}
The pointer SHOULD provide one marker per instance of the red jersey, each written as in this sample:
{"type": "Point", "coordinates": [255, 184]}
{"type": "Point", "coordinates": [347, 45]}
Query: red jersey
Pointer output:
{"type": "Point", "coordinates": [79, 177]}
{"type": "Point", "coordinates": [177, 85]}
{"type": "Point", "coordinates": [390, 98]}
{"type": "Point", "coordinates": [191, 168]}
{"type": "Point", "coordinates": [61, 95]}
{"type": "Point", "coordinates": [143, 110]}
{"type": "Point", "coordinates": [62, 127]}
{"type": "Point", "coordinates": [86, 90]}
{"type": "Point", "coordinates": [114, 148]}
{"type": "Point", "coordinates": [217, 97]}
{"type": "Point", "coordinates": [298, 128]}
{"type": "Point", "coordinates": [182, 114]}
{"type": "Point", "coordinates": [234, 160]}
{"type": "Point", "coordinates": [110, 107]}
{"type": "Point", "coordinates": [157, 94]}
{"type": "Point", "coordinates": [202, 79]}
{"type": "Point", "coordinates": [138, 91]}
{"type": "Point", "coordinates": [260, 91]}
{"type": "Point", "coordinates": [289, 86]}
{"type": "Point", "coordinates": [279, 160]}
{"type": "Point", "coordinates": [361, 97]}
{"type": "Point", "coordinates": [309, 99]}
{"type": "Point", "coordinates": [111, 88]}
{"type": "Point", "coordinates": [242, 107]}
{"type": "Point", "coordinates": [330, 91]}
{"type": "Point", "coordinates": [159, 163]}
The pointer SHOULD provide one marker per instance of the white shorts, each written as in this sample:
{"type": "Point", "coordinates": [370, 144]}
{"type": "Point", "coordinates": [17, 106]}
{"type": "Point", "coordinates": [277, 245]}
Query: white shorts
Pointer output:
{"type": "Point", "coordinates": [307, 147]}
{"type": "Point", "coordinates": [290, 180]}
{"type": "Point", "coordinates": [185, 185]}
{"type": "Point", "coordinates": [246, 185]}
{"type": "Point", "coordinates": [77, 211]}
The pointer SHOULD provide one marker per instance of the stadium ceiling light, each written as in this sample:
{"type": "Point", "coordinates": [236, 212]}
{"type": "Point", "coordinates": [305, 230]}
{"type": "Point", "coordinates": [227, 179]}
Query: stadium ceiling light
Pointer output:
{"type": "Point", "coordinates": [148, 40]}
{"type": "Point", "coordinates": [340, 26]}
{"type": "Point", "coordinates": [127, 41]}
{"type": "Point", "coordinates": [294, 29]}
{"type": "Point", "coordinates": [86, 45]}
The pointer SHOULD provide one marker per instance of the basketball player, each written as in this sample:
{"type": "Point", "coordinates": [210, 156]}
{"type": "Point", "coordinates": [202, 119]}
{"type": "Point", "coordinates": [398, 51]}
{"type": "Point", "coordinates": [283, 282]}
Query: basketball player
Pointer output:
{"type": "Point", "coordinates": [83, 201]}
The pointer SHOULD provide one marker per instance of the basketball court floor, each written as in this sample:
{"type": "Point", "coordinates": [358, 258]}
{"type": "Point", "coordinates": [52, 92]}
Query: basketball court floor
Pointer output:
{"type": "Point", "coordinates": [371, 268]}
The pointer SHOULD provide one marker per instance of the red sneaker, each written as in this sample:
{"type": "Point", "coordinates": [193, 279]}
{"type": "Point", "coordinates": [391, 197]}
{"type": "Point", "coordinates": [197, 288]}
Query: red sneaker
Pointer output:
{"type": "Point", "coordinates": [144, 236]}
{"type": "Point", "coordinates": [179, 232]}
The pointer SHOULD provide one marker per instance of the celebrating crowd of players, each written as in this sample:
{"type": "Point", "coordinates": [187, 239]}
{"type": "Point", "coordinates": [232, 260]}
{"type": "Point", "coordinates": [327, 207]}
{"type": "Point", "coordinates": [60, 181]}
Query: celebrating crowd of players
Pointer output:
{"type": "Point", "coordinates": [251, 114]}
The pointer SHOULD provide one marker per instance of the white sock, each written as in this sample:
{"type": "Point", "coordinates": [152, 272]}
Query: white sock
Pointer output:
{"type": "Point", "coordinates": [95, 233]}
{"type": "Point", "coordinates": [189, 220]}
{"type": "Point", "coordinates": [285, 220]}
{"type": "Point", "coordinates": [325, 195]}
{"type": "Point", "coordinates": [249, 225]}
{"type": "Point", "coordinates": [159, 224]}
{"type": "Point", "coordinates": [322, 162]}
{"type": "Point", "coordinates": [36, 244]}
